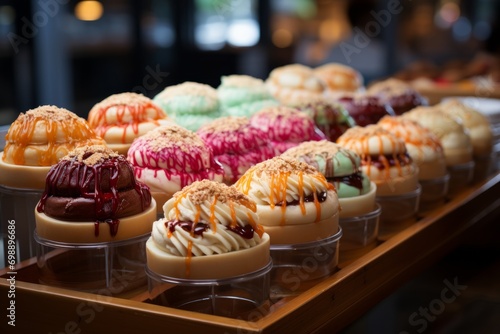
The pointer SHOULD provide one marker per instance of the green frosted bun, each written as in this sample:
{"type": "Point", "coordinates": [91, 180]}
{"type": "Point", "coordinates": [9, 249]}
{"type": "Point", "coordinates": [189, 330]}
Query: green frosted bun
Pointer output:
{"type": "Point", "coordinates": [189, 104]}
{"type": "Point", "coordinates": [182, 105]}
{"type": "Point", "coordinates": [345, 190]}
{"type": "Point", "coordinates": [238, 89]}
{"type": "Point", "coordinates": [249, 108]}
{"type": "Point", "coordinates": [193, 122]}
{"type": "Point", "coordinates": [329, 158]}
{"type": "Point", "coordinates": [338, 164]}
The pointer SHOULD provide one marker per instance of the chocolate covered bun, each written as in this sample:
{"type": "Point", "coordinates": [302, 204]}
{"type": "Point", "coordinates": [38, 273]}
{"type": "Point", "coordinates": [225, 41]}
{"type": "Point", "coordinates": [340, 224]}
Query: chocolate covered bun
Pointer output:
{"type": "Point", "coordinates": [365, 109]}
{"type": "Point", "coordinates": [93, 183]}
{"type": "Point", "coordinates": [400, 95]}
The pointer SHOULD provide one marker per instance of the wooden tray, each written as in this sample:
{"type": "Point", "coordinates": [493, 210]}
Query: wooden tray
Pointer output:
{"type": "Point", "coordinates": [435, 94]}
{"type": "Point", "coordinates": [328, 306]}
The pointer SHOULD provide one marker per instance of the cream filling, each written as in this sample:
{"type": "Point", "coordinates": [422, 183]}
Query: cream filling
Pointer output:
{"type": "Point", "coordinates": [181, 243]}
{"type": "Point", "coordinates": [293, 214]}
{"type": "Point", "coordinates": [84, 232]}
{"type": "Point", "coordinates": [218, 266]}
{"type": "Point", "coordinates": [269, 190]}
{"type": "Point", "coordinates": [126, 133]}
{"type": "Point", "coordinates": [126, 115]}
{"type": "Point", "coordinates": [431, 163]}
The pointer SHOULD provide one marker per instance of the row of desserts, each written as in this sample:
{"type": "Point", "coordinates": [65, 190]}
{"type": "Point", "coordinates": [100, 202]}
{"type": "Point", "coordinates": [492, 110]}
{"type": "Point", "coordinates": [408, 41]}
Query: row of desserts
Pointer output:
{"type": "Point", "coordinates": [192, 104]}
{"type": "Point", "coordinates": [314, 92]}
{"type": "Point", "coordinates": [232, 153]}
{"type": "Point", "coordinates": [92, 186]}
{"type": "Point", "coordinates": [122, 117]}
{"type": "Point", "coordinates": [271, 123]}
{"type": "Point", "coordinates": [277, 172]}
{"type": "Point", "coordinates": [80, 186]}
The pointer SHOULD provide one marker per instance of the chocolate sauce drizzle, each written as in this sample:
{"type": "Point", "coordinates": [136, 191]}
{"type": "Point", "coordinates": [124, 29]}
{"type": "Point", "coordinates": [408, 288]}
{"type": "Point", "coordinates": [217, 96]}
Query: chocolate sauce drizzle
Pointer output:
{"type": "Point", "coordinates": [80, 176]}
{"type": "Point", "coordinates": [354, 180]}
{"type": "Point", "coordinates": [388, 160]}
{"type": "Point", "coordinates": [310, 198]}
{"type": "Point", "coordinates": [197, 229]}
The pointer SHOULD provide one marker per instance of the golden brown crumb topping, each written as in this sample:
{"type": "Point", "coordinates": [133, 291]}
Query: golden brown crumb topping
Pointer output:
{"type": "Point", "coordinates": [325, 148]}
{"type": "Point", "coordinates": [281, 165]}
{"type": "Point", "coordinates": [169, 136]}
{"type": "Point", "coordinates": [392, 87]}
{"type": "Point", "coordinates": [91, 154]}
{"type": "Point", "coordinates": [48, 112]}
{"type": "Point", "coordinates": [242, 81]}
{"type": "Point", "coordinates": [282, 111]}
{"type": "Point", "coordinates": [190, 88]}
{"type": "Point", "coordinates": [226, 124]}
{"type": "Point", "coordinates": [123, 99]}
{"type": "Point", "coordinates": [206, 190]}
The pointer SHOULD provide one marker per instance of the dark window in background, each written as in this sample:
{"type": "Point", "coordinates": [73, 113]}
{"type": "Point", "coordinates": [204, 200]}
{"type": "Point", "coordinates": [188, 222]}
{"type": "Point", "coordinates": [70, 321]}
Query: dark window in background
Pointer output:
{"type": "Point", "coordinates": [7, 53]}
{"type": "Point", "coordinates": [128, 48]}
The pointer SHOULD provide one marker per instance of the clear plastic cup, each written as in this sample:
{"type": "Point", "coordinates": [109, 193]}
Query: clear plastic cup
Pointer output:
{"type": "Point", "coordinates": [434, 192]}
{"type": "Point", "coordinates": [359, 235]}
{"type": "Point", "coordinates": [297, 267]}
{"type": "Point", "coordinates": [16, 209]}
{"type": "Point", "coordinates": [21, 187]}
{"type": "Point", "coordinates": [461, 176]}
{"type": "Point", "coordinates": [483, 167]}
{"type": "Point", "coordinates": [398, 212]}
{"type": "Point", "coordinates": [235, 297]}
{"type": "Point", "coordinates": [107, 268]}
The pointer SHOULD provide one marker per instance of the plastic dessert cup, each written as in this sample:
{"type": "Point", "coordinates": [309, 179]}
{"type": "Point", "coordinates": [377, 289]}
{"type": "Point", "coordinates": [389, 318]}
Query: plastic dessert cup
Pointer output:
{"type": "Point", "coordinates": [234, 297]}
{"type": "Point", "coordinates": [37, 139]}
{"type": "Point", "coordinates": [359, 220]}
{"type": "Point", "coordinates": [16, 214]}
{"type": "Point", "coordinates": [434, 192]}
{"type": "Point", "coordinates": [297, 267]}
{"type": "Point", "coordinates": [359, 235]}
{"type": "Point", "coordinates": [209, 254]}
{"type": "Point", "coordinates": [70, 257]}
{"type": "Point", "coordinates": [483, 167]}
{"type": "Point", "coordinates": [93, 241]}
{"type": "Point", "coordinates": [461, 176]}
{"type": "Point", "coordinates": [398, 212]}
{"type": "Point", "coordinates": [105, 268]}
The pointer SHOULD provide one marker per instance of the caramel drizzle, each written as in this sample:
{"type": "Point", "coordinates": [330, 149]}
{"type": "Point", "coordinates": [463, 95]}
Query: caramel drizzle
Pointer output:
{"type": "Point", "coordinates": [427, 139]}
{"type": "Point", "coordinates": [137, 111]}
{"type": "Point", "coordinates": [213, 223]}
{"type": "Point", "coordinates": [367, 157]}
{"type": "Point", "coordinates": [20, 137]}
{"type": "Point", "coordinates": [278, 185]}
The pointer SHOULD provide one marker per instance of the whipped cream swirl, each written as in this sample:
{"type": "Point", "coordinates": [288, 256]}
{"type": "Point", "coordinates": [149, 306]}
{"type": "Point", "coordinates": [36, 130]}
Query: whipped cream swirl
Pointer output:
{"type": "Point", "coordinates": [207, 218]}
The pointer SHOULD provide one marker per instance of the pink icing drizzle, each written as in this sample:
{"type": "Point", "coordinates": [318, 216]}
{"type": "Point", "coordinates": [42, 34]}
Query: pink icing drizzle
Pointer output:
{"type": "Point", "coordinates": [188, 166]}
{"type": "Point", "coordinates": [286, 130]}
{"type": "Point", "coordinates": [239, 149]}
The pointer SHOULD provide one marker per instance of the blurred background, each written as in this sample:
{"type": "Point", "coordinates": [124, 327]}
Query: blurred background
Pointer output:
{"type": "Point", "coordinates": [74, 53]}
